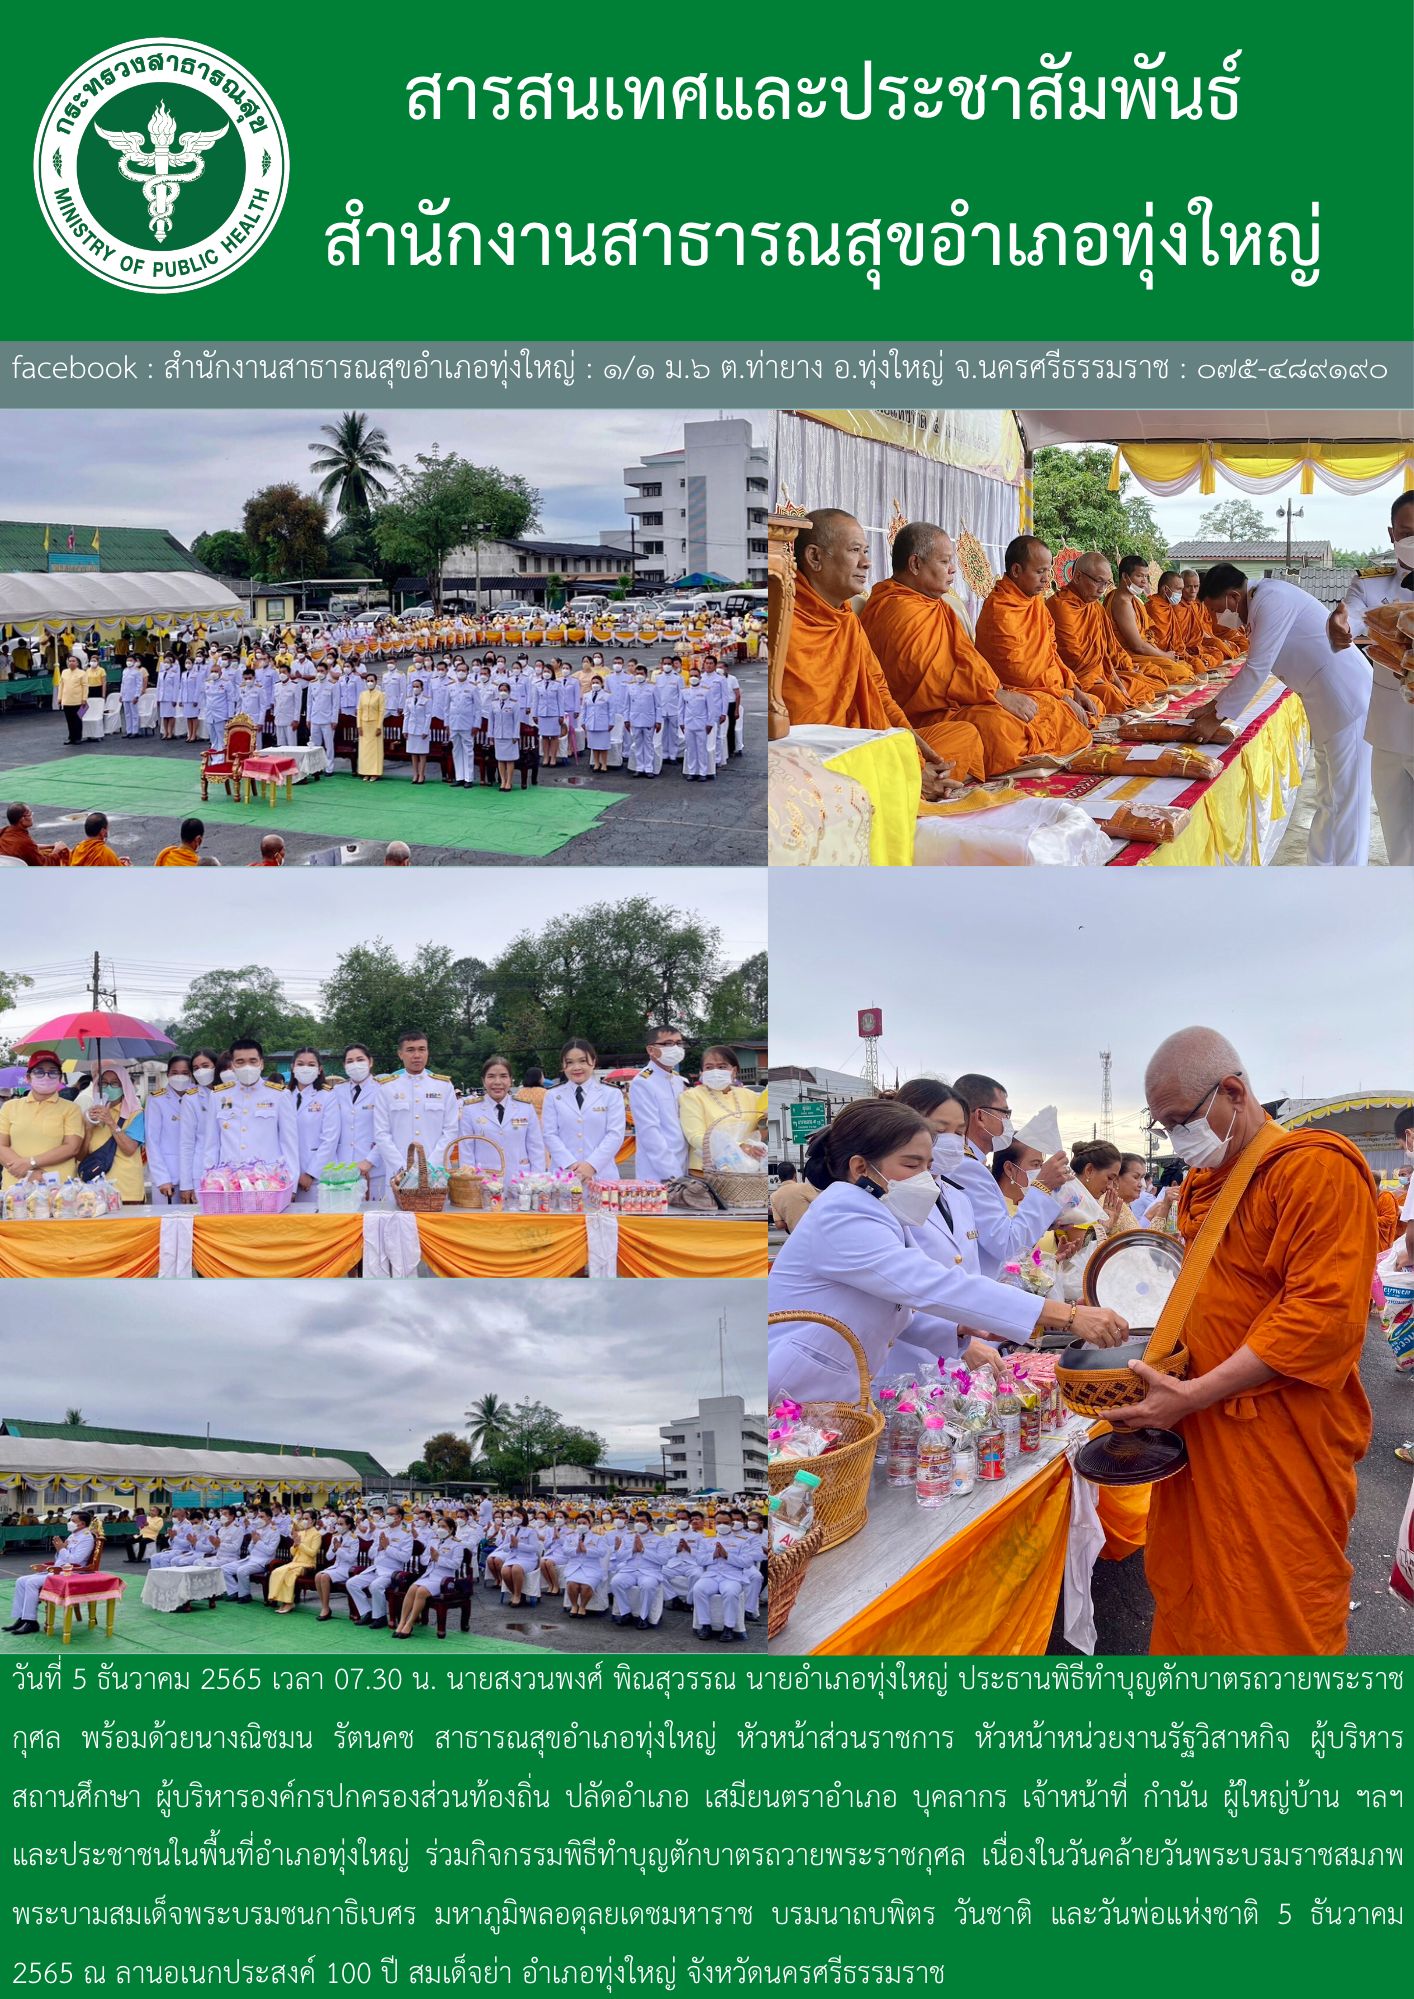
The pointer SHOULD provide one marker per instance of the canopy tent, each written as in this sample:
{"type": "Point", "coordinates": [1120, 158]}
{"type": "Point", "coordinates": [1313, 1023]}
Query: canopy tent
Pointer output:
{"type": "Point", "coordinates": [1257, 451]}
{"type": "Point", "coordinates": [41, 1458]}
{"type": "Point", "coordinates": [1366, 1117]}
{"type": "Point", "coordinates": [33, 601]}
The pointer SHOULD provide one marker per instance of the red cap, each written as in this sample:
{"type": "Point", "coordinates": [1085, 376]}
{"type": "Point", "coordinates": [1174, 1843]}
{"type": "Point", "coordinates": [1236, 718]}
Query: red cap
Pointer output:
{"type": "Point", "coordinates": [43, 1055]}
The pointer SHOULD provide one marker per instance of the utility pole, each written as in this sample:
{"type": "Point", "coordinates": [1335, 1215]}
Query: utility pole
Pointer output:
{"type": "Point", "coordinates": [1290, 514]}
{"type": "Point", "coordinates": [1107, 1109]}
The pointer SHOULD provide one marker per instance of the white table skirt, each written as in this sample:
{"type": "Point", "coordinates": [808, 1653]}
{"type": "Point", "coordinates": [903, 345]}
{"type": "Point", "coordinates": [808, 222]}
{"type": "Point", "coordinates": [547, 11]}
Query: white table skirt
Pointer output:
{"type": "Point", "coordinates": [169, 1589]}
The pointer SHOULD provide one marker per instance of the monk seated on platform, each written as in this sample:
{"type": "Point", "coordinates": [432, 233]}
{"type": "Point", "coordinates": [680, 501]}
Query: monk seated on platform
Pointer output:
{"type": "Point", "coordinates": [1016, 637]}
{"type": "Point", "coordinates": [1089, 644]}
{"type": "Point", "coordinates": [935, 672]}
{"type": "Point", "coordinates": [1178, 629]}
{"type": "Point", "coordinates": [1200, 622]}
{"type": "Point", "coordinates": [831, 676]}
{"type": "Point", "coordinates": [1129, 615]}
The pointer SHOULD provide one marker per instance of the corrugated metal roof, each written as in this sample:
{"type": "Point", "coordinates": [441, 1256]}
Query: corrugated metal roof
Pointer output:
{"type": "Point", "coordinates": [21, 1426]}
{"type": "Point", "coordinates": [1248, 551]}
{"type": "Point", "coordinates": [22, 546]}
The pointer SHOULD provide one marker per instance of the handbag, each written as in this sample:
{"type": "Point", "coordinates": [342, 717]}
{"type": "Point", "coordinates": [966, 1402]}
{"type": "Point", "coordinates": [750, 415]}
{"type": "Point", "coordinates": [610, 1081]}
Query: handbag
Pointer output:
{"type": "Point", "coordinates": [695, 1195]}
{"type": "Point", "coordinates": [98, 1163]}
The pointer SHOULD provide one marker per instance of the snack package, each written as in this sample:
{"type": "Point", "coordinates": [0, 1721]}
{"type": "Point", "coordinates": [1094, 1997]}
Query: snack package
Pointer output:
{"type": "Point", "coordinates": [1156, 825]}
{"type": "Point", "coordinates": [1173, 730]}
{"type": "Point", "coordinates": [1113, 760]}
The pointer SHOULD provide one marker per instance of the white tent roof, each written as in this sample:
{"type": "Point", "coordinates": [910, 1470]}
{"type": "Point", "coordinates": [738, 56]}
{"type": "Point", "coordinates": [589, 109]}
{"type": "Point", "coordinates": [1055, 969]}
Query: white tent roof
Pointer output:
{"type": "Point", "coordinates": [31, 597]}
{"type": "Point", "coordinates": [45, 1456]}
{"type": "Point", "coordinates": [1232, 426]}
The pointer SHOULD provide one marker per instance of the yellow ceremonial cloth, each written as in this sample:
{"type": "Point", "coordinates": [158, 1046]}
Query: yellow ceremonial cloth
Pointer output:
{"type": "Point", "coordinates": [503, 1245]}
{"type": "Point", "coordinates": [286, 1245]}
{"type": "Point", "coordinates": [668, 1246]}
{"type": "Point", "coordinates": [111, 1248]}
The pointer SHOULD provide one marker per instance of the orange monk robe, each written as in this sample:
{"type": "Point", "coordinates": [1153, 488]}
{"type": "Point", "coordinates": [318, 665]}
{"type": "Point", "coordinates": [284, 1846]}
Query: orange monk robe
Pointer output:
{"type": "Point", "coordinates": [832, 677]}
{"type": "Point", "coordinates": [177, 857]}
{"type": "Point", "coordinates": [1172, 670]}
{"type": "Point", "coordinates": [1246, 1548]}
{"type": "Point", "coordinates": [1017, 639]}
{"type": "Point", "coordinates": [1386, 1219]}
{"type": "Point", "coordinates": [1193, 636]}
{"type": "Point", "coordinates": [1231, 641]}
{"type": "Point", "coordinates": [94, 854]}
{"type": "Point", "coordinates": [1090, 647]}
{"type": "Point", "coordinates": [941, 681]}
{"type": "Point", "coordinates": [1163, 627]}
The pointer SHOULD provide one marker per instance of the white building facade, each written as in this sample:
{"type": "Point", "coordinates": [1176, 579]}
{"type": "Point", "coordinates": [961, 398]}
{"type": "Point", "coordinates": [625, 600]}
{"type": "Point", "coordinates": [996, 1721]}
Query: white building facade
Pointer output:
{"type": "Point", "coordinates": [701, 510]}
{"type": "Point", "coordinates": [721, 1448]}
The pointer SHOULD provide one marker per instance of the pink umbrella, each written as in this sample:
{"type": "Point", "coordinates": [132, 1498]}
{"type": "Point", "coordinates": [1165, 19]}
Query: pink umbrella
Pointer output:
{"type": "Point", "coordinates": [72, 1035]}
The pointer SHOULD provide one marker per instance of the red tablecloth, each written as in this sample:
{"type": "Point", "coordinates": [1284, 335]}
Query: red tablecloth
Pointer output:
{"type": "Point", "coordinates": [269, 765]}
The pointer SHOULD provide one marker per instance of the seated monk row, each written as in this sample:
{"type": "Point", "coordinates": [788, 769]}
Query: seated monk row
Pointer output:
{"type": "Point", "coordinates": [1202, 620]}
{"type": "Point", "coordinates": [1015, 633]}
{"type": "Point", "coordinates": [1132, 617]}
{"type": "Point", "coordinates": [1091, 647]}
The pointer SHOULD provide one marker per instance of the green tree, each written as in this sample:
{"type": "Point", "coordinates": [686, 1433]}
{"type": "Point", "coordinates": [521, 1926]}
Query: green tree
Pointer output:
{"type": "Point", "coordinates": [471, 982]}
{"type": "Point", "coordinates": [286, 529]}
{"type": "Point", "coordinates": [246, 1000]}
{"type": "Point", "coordinates": [12, 984]}
{"type": "Point", "coordinates": [1075, 508]}
{"type": "Point", "coordinates": [738, 1002]}
{"type": "Point", "coordinates": [573, 1446]}
{"type": "Point", "coordinates": [554, 590]}
{"type": "Point", "coordinates": [447, 1457]}
{"type": "Point", "coordinates": [442, 503]}
{"type": "Point", "coordinates": [75, 1419]}
{"type": "Point", "coordinates": [225, 552]}
{"type": "Point", "coordinates": [372, 996]}
{"type": "Point", "coordinates": [486, 1422]}
{"type": "Point", "coordinates": [1235, 520]}
{"type": "Point", "coordinates": [352, 459]}
{"type": "Point", "coordinates": [417, 1472]}
{"type": "Point", "coordinates": [1363, 558]}
{"type": "Point", "coordinates": [531, 1437]}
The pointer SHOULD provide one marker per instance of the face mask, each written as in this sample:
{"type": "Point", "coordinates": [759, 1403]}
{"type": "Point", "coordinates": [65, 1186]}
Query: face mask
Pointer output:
{"type": "Point", "coordinates": [357, 1072]}
{"type": "Point", "coordinates": [228, 1075]}
{"type": "Point", "coordinates": [670, 1057]}
{"type": "Point", "coordinates": [1197, 1144]}
{"type": "Point", "coordinates": [247, 1072]}
{"type": "Point", "coordinates": [911, 1201]}
{"type": "Point", "coordinates": [1174, 596]}
{"type": "Point", "coordinates": [205, 1077]}
{"type": "Point", "coordinates": [44, 1086]}
{"type": "Point", "coordinates": [181, 1084]}
{"type": "Point", "coordinates": [948, 1150]}
{"type": "Point", "coordinates": [1404, 552]}
{"type": "Point", "coordinates": [112, 1093]}
{"type": "Point", "coordinates": [304, 1073]}
{"type": "Point", "coordinates": [1004, 1136]}
{"type": "Point", "coordinates": [717, 1079]}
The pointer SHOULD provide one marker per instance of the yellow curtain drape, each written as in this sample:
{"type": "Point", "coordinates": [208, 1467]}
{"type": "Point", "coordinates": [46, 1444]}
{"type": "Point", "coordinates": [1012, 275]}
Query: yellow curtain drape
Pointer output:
{"type": "Point", "coordinates": [889, 771]}
{"type": "Point", "coordinates": [992, 1589]}
{"type": "Point", "coordinates": [113, 1248]}
{"type": "Point", "coordinates": [276, 1245]}
{"type": "Point", "coordinates": [492, 1245]}
{"type": "Point", "coordinates": [1363, 464]}
{"type": "Point", "coordinates": [665, 1246]}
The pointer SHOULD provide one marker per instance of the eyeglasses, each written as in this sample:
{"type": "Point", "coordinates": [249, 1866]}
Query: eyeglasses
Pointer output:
{"type": "Point", "coordinates": [994, 1110]}
{"type": "Point", "coordinates": [1161, 1127]}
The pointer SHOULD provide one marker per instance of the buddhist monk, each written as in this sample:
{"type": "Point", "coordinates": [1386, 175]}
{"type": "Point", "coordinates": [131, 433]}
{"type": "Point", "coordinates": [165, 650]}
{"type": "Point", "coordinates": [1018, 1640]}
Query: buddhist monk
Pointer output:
{"type": "Point", "coordinates": [1016, 637]}
{"type": "Point", "coordinates": [1089, 645]}
{"type": "Point", "coordinates": [1171, 631]}
{"type": "Point", "coordinates": [1246, 1546]}
{"type": "Point", "coordinates": [831, 675]}
{"type": "Point", "coordinates": [934, 671]}
{"type": "Point", "coordinates": [1200, 621]}
{"type": "Point", "coordinates": [1129, 615]}
{"type": "Point", "coordinates": [93, 851]}
{"type": "Point", "coordinates": [187, 853]}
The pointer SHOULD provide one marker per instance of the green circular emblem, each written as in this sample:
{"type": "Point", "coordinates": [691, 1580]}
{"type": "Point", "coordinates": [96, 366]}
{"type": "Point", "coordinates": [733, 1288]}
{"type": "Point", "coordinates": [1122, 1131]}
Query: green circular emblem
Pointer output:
{"type": "Point", "coordinates": [161, 165]}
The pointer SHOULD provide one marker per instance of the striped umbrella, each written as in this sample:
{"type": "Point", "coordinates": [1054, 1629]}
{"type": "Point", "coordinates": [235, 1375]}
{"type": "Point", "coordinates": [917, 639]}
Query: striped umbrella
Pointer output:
{"type": "Point", "coordinates": [87, 1036]}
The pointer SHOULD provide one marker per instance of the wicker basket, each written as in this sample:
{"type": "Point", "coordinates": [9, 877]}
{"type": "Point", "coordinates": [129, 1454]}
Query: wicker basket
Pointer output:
{"type": "Point", "coordinates": [733, 1190]}
{"type": "Point", "coordinates": [785, 1572]}
{"type": "Point", "coordinates": [1095, 1391]}
{"type": "Point", "coordinates": [423, 1200]}
{"type": "Point", "coordinates": [465, 1188]}
{"type": "Point", "coordinates": [842, 1498]}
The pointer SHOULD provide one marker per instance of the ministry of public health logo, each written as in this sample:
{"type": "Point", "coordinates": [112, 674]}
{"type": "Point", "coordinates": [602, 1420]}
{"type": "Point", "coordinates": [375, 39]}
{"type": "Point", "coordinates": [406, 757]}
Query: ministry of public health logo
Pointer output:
{"type": "Point", "coordinates": [161, 165]}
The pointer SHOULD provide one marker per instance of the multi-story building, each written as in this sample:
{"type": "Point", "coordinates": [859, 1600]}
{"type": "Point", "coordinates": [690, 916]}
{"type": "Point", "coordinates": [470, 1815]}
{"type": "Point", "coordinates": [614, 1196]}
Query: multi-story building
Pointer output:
{"type": "Point", "coordinates": [720, 1449]}
{"type": "Point", "coordinates": [701, 510]}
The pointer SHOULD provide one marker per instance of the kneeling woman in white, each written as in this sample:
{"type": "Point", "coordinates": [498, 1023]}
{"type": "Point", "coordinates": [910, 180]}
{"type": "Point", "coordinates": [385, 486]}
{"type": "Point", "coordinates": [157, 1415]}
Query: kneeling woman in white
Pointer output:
{"type": "Point", "coordinates": [854, 1256]}
{"type": "Point", "coordinates": [582, 1568]}
{"type": "Point", "coordinates": [583, 1120]}
{"type": "Point", "coordinates": [353, 1106]}
{"type": "Point", "coordinates": [497, 1117]}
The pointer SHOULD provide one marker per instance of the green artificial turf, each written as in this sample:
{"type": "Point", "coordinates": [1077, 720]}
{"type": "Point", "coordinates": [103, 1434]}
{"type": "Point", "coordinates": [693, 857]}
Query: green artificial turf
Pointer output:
{"type": "Point", "coordinates": [533, 823]}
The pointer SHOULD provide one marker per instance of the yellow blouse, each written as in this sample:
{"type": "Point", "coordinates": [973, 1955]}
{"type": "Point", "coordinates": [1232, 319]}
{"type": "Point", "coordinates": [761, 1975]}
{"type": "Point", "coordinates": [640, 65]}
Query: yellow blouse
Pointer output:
{"type": "Point", "coordinates": [126, 1170]}
{"type": "Point", "coordinates": [33, 1125]}
{"type": "Point", "coordinates": [700, 1108]}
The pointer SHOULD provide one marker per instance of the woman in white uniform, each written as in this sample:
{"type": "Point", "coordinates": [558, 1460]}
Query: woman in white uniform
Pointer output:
{"type": "Point", "coordinates": [583, 1121]}
{"type": "Point", "coordinates": [352, 1107]}
{"type": "Point", "coordinates": [206, 1066]}
{"type": "Point", "coordinates": [855, 1256]}
{"type": "Point", "coordinates": [520, 1557]}
{"type": "Point", "coordinates": [342, 1552]}
{"type": "Point", "coordinates": [582, 1568]}
{"type": "Point", "coordinates": [441, 1558]}
{"type": "Point", "coordinates": [169, 1116]}
{"type": "Point", "coordinates": [496, 1116]}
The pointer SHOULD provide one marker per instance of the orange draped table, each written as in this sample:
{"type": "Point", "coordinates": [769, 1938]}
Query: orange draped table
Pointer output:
{"type": "Point", "coordinates": [988, 1587]}
{"type": "Point", "coordinates": [288, 1245]}
{"type": "Point", "coordinates": [120, 1247]}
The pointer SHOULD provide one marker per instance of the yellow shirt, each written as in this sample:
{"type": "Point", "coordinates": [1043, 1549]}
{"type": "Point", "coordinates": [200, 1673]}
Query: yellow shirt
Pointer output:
{"type": "Point", "coordinates": [73, 687]}
{"type": "Point", "coordinates": [33, 1125]}
{"type": "Point", "coordinates": [700, 1108]}
{"type": "Point", "coordinates": [126, 1170]}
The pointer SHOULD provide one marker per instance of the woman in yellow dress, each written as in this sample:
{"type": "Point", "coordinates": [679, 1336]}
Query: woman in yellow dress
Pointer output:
{"type": "Point", "coordinates": [718, 1097]}
{"type": "Point", "coordinates": [370, 730]}
{"type": "Point", "coordinates": [280, 1590]}
{"type": "Point", "coordinates": [114, 1108]}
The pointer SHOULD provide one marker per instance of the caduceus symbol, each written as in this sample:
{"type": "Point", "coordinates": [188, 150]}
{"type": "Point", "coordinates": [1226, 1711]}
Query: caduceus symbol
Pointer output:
{"type": "Point", "coordinates": [158, 173]}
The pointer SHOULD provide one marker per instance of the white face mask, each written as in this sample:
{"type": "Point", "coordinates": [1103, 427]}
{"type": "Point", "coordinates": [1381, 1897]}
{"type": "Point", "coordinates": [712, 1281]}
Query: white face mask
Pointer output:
{"type": "Point", "coordinates": [717, 1079]}
{"type": "Point", "coordinates": [304, 1073]}
{"type": "Point", "coordinates": [1197, 1144]}
{"type": "Point", "coordinates": [247, 1072]}
{"type": "Point", "coordinates": [1004, 1137]}
{"type": "Point", "coordinates": [911, 1201]}
{"type": "Point", "coordinates": [1404, 552]}
{"type": "Point", "coordinates": [671, 1057]}
{"type": "Point", "coordinates": [947, 1150]}
{"type": "Point", "coordinates": [1174, 596]}
{"type": "Point", "coordinates": [357, 1072]}
{"type": "Point", "coordinates": [181, 1084]}
{"type": "Point", "coordinates": [228, 1075]}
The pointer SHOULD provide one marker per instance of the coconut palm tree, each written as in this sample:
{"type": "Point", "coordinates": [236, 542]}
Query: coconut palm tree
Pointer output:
{"type": "Point", "coordinates": [75, 1419]}
{"type": "Point", "coordinates": [351, 461]}
{"type": "Point", "coordinates": [487, 1424]}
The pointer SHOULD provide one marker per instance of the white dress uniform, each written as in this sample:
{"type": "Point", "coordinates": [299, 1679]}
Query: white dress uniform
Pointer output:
{"type": "Point", "coordinates": [343, 1552]}
{"type": "Point", "coordinates": [421, 1108]}
{"type": "Point", "coordinates": [75, 1554]}
{"type": "Point", "coordinates": [180, 1551]}
{"type": "Point", "coordinates": [316, 1119]}
{"type": "Point", "coordinates": [1001, 1236]}
{"type": "Point", "coordinates": [252, 1121]}
{"type": "Point", "coordinates": [723, 1574]}
{"type": "Point", "coordinates": [748, 1550]}
{"type": "Point", "coordinates": [441, 1558]}
{"type": "Point", "coordinates": [660, 1143]}
{"type": "Point", "coordinates": [169, 1125]}
{"type": "Point", "coordinates": [392, 1551]}
{"type": "Point", "coordinates": [683, 1565]}
{"type": "Point", "coordinates": [1288, 628]}
{"type": "Point", "coordinates": [131, 689]}
{"type": "Point", "coordinates": [671, 688]}
{"type": "Point", "coordinates": [513, 1126]}
{"type": "Point", "coordinates": [584, 1121]}
{"type": "Point", "coordinates": [949, 1242]}
{"type": "Point", "coordinates": [583, 1561]}
{"type": "Point", "coordinates": [355, 1135]}
{"type": "Point", "coordinates": [849, 1257]}
{"type": "Point", "coordinates": [227, 1551]}
{"type": "Point", "coordinates": [636, 1581]}
{"type": "Point", "coordinates": [260, 1552]}
{"type": "Point", "coordinates": [288, 700]}
{"type": "Point", "coordinates": [1389, 728]}
{"type": "Point", "coordinates": [519, 1547]}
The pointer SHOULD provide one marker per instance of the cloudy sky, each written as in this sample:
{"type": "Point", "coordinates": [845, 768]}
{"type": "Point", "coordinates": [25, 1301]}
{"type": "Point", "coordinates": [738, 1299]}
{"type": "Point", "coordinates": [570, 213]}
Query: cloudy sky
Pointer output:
{"type": "Point", "coordinates": [330, 1365]}
{"type": "Point", "coordinates": [192, 470]}
{"type": "Point", "coordinates": [159, 936]}
{"type": "Point", "coordinates": [1027, 974]}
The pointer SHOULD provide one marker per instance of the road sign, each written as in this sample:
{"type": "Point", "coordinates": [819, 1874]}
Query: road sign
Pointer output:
{"type": "Point", "coordinates": [805, 1118]}
{"type": "Point", "coordinates": [871, 1023]}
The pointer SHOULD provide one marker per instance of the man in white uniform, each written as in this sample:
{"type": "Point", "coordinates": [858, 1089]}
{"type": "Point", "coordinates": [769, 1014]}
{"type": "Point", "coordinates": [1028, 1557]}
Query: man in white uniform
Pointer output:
{"type": "Point", "coordinates": [252, 1119]}
{"type": "Point", "coordinates": [414, 1106]}
{"type": "Point", "coordinates": [368, 1589]}
{"type": "Point", "coordinates": [660, 1143]}
{"type": "Point", "coordinates": [1001, 1236]}
{"type": "Point", "coordinates": [1288, 638]}
{"type": "Point", "coordinates": [1390, 728]}
{"type": "Point", "coordinates": [70, 1557]}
